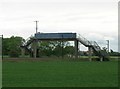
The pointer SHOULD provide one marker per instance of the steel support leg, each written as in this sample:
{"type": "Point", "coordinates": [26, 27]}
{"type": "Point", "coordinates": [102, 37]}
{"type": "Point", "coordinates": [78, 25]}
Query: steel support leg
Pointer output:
{"type": "Point", "coordinates": [90, 53]}
{"type": "Point", "coordinates": [101, 58]}
{"type": "Point", "coordinates": [76, 48]}
{"type": "Point", "coordinates": [35, 49]}
{"type": "Point", "coordinates": [23, 52]}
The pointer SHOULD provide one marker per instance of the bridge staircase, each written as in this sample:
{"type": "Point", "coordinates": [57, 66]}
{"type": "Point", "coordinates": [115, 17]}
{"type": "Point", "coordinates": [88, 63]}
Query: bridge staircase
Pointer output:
{"type": "Point", "coordinates": [27, 47]}
{"type": "Point", "coordinates": [103, 55]}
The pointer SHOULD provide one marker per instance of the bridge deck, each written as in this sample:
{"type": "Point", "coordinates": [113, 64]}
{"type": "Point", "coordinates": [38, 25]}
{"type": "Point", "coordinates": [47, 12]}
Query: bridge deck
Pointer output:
{"type": "Point", "coordinates": [55, 36]}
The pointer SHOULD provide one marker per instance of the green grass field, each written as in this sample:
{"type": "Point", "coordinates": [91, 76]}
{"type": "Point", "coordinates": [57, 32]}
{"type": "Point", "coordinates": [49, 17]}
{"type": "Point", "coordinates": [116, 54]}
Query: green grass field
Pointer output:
{"type": "Point", "coordinates": [60, 74]}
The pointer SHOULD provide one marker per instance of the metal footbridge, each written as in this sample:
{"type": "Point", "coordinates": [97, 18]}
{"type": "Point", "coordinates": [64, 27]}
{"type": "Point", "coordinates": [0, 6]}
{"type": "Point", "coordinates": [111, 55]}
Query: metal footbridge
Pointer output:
{"type": "Point", "coordinates": [103, 55]}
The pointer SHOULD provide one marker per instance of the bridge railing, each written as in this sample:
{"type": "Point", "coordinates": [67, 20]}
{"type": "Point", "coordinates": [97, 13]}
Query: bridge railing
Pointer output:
{"type": "Point", "coordinates": [95, 45]}
{"type": "Point", "coordinates": [24, 43]}
{"type": "Point", "coordinates": [83, 39]}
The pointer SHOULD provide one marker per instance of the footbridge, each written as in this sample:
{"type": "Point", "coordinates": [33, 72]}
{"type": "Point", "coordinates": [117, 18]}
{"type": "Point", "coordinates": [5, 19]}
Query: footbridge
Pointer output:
{"type": "Point", "coordinates": [92, 45]}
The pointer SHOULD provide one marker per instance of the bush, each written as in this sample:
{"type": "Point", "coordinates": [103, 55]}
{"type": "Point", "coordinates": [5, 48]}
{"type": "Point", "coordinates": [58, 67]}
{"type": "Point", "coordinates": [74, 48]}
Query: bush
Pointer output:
{"type": "Point", "coordinates": [14, 53]}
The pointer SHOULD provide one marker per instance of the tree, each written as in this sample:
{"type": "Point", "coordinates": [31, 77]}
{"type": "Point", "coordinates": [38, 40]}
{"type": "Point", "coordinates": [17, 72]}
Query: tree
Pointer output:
{"type": "Point", "coordinates": [57, 48]}
{"type": "Point", "coordinates": [11, 46]}
{"type": "Point", "coordinates": [69, 50]}
{"type": "Point", "coordinates": [5, 46]}
{"type": "Point", "coordinates": [45, 48]}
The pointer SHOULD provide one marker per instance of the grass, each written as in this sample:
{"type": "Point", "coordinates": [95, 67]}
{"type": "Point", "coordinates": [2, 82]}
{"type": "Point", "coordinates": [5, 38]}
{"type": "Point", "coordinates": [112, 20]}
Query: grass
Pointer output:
{"type": "Point", "coordinates": [60, 74]}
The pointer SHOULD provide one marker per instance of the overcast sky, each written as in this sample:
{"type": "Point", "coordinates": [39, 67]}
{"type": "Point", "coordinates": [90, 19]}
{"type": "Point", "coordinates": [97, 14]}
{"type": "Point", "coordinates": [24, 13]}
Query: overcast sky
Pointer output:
{"type": "Point", "coordinates": [96, 20]}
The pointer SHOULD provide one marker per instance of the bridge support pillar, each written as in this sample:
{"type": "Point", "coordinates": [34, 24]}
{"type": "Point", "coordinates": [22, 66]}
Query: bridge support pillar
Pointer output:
{"type": "Point", "coordinates": [90, 53]}
{"type": "Point", "coordinates": [35, 49]}
{"type": "Point", "coordinates": [76, 48]}
{"type": "Point", "coordinates": [23, 52]}
{"type": "Point", "coordinates": [101, 58]}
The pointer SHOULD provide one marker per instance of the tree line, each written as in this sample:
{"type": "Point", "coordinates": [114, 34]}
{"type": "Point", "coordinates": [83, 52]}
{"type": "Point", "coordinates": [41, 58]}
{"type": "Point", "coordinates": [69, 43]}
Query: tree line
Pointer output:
{"type": "Point", "coordinates": [11, 47]}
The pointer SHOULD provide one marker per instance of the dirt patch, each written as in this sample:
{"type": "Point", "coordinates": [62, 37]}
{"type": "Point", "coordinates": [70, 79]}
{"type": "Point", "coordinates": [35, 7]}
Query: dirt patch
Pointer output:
{"type": "Point", "coordinates": [25, 59]}
{"type": "Point", "coordinates": [41, 59]}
